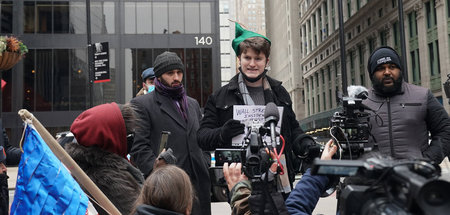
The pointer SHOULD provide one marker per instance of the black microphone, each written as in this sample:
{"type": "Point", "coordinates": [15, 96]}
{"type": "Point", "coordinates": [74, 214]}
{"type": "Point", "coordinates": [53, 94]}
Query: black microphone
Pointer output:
{"type": "Point", "coordinates": [271, 117]}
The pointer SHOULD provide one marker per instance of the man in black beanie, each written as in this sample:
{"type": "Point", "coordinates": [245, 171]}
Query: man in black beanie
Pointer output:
{"type": "Point", "coordinates": [406, 113]}
{"type": "Point", "coordinates": [168, 108]}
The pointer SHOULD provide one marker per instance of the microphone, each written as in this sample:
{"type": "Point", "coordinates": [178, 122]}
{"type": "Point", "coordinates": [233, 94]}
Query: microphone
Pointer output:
{"type": "Point", "coordinates": [359, 92]}
{"type": "Point", "coordinates": [271, 117]}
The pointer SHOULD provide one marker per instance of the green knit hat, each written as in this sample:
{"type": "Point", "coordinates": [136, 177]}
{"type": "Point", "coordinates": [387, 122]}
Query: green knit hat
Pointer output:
{"type": "Point", "coordinates": [241, 35]}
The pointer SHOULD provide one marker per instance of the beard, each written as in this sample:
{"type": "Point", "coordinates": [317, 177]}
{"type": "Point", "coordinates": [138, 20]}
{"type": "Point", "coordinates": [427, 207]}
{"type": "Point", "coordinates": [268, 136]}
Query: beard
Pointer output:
{"type": "Point", "coordinates": [167, 83]}
{"type": "Point", "coordinates": [387, 90]}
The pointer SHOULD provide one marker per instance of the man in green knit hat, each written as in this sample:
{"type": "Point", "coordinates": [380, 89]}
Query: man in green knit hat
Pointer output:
{"type": "Point", "coordinates": [252, 86]}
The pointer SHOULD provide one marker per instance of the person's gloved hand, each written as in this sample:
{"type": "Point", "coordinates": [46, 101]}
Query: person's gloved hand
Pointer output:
{"type": "Point", "coordinates": [304, 146]}
{"type": "Point", "coordinates": [230, 129]}
{"type": "Point", "coordinates": [306, 150]}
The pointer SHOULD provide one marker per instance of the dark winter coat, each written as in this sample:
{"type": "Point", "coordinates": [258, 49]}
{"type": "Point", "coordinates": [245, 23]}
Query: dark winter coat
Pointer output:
{"type": "Point", "coordinates": [4, 194]}
{"type": "Point", "coordinates": [219, 109]}
{"type": "Point", "coordinates": [303, 199]}
{"type": "Point", "coordinates": [402, 122]}
{"type": "Point", "coordinates": [150, 210]}
{"type": "Point", "coordinates": [114, 175]}
{"type": "Point", "coordinates": [13, 154]}
{"type": "Point", "coordinates": [158, 113]}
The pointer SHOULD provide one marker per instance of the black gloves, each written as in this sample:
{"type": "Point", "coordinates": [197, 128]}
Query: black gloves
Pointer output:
{"type": "Point", "coordinates": [230, 129]}
{"type": "Point", "coordinates": [306, 150]}
{"type": "Point", "coordinates": [304, 146]}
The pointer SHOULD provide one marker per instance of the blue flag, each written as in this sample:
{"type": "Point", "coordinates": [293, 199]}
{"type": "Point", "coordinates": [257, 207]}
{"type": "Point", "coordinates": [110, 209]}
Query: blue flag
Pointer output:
{"type": "Point", "coordinates": [44, 186]}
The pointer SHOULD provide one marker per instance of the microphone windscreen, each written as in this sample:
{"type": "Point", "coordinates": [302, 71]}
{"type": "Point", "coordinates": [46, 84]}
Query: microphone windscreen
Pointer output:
{"type": "Point", "coordinates": [271, 111]}
{"type": "Point", "coordinates": [359, 92]}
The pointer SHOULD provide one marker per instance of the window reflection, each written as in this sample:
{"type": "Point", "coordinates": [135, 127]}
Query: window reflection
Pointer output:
{"type": "Point", "coordinates": [78, 79]}
{"type": "Point", "coordinates": [176, 25]}
{"type": "Point", "coordinates": [102, 18]}
{"type": "Point", "coordinates": [61, 17]}
{"type": "Point", "coordinates": [44, 17]}
{"type": "Point", "coordinates": [28, 81]}
{"type": "Point", "coordinates": [160, 19]}
{"type": "Point", "coordinates": [144, 17]}
{"type": "Point", "coordinates": [29, 17]}
{"type": "Point", "coordinates": [130, 17]}
{"type": "Point", "coordinates": [206, 81]}
{"type": "Point", "coordinates": [77, 16]}
{"type": "Point", "coordinates": [7, 16]}
{"type": "Point", "coordinates": [192, 18]}
{"type": "Point", "coordinates": [61, 80]}
{"type": "Point", "coordinates": [205, 17]}
{"type": "Point", "coordinates": [43, 80]}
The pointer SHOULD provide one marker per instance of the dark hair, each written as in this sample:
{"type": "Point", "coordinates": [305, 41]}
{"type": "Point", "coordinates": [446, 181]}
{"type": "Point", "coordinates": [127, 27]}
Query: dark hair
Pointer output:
{"type": "Point", "coordinates": [158, 190]}
{"type": "Point", "coordinates": [258, 44]}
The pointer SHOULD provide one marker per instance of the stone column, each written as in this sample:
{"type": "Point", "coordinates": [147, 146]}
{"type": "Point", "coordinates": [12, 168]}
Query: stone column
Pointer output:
{"type": "Point", "coordinates": [423, 46]}
{"type": "Point", "coordinates": [442, 26]}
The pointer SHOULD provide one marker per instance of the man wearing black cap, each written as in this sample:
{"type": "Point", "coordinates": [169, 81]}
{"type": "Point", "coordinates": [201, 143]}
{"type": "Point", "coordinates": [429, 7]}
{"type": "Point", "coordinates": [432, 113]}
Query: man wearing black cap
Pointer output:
{"type": "Point", "coordinates": [168, 108]}
{"type": "Point", "coordinates": [406, 113]}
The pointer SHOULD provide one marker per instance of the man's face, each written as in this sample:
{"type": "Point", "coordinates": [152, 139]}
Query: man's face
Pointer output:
{"type": "Point", "coordinates": [148, 82]}
{"type": "Point", "coordinates": [387, 78]}
{"type": "Point", "coordinates": [172, 78]}
{"type": "Point", "coordinates": [253, 64]}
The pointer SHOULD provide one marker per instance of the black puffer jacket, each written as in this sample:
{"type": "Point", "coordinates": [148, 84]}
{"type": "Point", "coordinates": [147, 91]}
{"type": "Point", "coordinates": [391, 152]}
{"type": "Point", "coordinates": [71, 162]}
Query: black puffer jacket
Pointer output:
{"type": "Point", "coordinates": [114, 176]}
{"type": "Point", "coordinates": [219, 109]}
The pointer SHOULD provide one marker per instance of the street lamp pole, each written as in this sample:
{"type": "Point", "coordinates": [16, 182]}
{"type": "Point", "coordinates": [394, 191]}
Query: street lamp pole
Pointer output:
{"type": "Point", "coordinates": [90, 54]}
{"type": "Point", "coordinates": [402, 39]}
{"type": "Point", "coordinates": [342, 49]}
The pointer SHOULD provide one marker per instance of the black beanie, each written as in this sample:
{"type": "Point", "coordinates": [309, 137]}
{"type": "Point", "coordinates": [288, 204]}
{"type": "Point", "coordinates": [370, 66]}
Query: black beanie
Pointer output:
{"type": "Point", "coordinates": [167, 61]}
{"type": "Point", "coordinates": [383, 55]}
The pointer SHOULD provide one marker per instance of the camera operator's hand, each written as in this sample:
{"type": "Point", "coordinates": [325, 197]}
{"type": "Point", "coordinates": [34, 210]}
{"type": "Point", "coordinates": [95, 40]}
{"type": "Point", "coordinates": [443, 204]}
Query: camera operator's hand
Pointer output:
{"type": "Point", "coordinates": [230, 129]}
{"type": "Point", "coordinates": [233, 174]}
{"type": "Point", "coordinates": [329, 150]}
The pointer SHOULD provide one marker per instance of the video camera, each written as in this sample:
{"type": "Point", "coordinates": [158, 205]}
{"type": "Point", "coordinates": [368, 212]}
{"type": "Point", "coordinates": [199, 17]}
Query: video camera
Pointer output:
{"type": "Point", "coordinates": [350, 127]}
{"type": "Point", "coordinates": [396, 187]}
{"type": "Point", "coordinates": [255, 160]}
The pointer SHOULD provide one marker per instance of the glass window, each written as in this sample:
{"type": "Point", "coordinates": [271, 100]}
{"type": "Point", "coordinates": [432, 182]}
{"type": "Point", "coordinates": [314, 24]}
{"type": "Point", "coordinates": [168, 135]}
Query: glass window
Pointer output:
{"type": "Point", "coordinates": [43, 80]}
{"type": "Point", "coordinates": [205, 17]}
{"type": "Point", "coordinates": [193, 74]}
{"type": "Point", "coordinates": [77, 18]}
{"type": "Point", "coordinates": [130, 17]}
{"type": "Point", "coordinates": [78, 79]}
{"type": "Point", "coordinates": [28, 81]}
{"type": "Point", "coordinates": [61, 80]}
{"type": "Point", "coordinates": [192, 18]}
{"type": "Point", "coordinates": [102, 18]}
{"type": "Point", "coordinates": [7, 16]}
{"type": "Point", "coordinates": [29, 17]}
{"type": "Point", "coordinates": [61, 17]}
{"type": "Point", "coordinates": [206, 81]}
{"type": "Point", "coordinates": [44, 17]}
{"type": "Point", "coordinates": [160, 18]}
{"type": "Point", "coordinates": [130, 67]}
{"type": "Point", "coordinates": [176, 21]}
{"type": "Point", "coordinates": [144, 60]}
{"type": "Point", "coordinates": [144, 17]}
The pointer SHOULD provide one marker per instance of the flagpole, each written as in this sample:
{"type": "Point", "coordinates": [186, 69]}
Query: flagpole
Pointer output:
{"type": "Point", "coordinates": [73, 167]}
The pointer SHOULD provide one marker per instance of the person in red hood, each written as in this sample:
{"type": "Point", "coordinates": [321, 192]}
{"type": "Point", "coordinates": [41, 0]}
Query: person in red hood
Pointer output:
{"type": "Point", "coordinates": [101, 148]}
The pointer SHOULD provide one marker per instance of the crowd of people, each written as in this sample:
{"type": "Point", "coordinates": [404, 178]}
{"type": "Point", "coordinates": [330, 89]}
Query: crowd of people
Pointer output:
{"type": "Point", "coordinates": [177, 181]}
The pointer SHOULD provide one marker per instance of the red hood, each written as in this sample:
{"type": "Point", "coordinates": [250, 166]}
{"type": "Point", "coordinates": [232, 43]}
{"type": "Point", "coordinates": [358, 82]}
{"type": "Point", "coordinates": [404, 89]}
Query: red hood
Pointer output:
{"type": "Point", "coordinates": [102, 126]}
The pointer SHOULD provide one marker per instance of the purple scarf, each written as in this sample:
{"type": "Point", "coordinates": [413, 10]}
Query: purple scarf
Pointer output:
{"type": "Point", "coordinates": [177, 94]}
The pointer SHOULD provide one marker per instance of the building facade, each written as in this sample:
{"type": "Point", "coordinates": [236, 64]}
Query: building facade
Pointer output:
{"type": "Point", "coordinates": [284, 32]}
{"type": "Point", "coordinates": [368, 25]}
{"type": "Point", "coordinates": [52, 80]}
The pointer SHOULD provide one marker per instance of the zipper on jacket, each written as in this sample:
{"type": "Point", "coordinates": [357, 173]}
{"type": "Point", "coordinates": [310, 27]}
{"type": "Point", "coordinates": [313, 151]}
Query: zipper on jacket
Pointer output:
{"type": "Point", "coordinates": [391, 141]}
